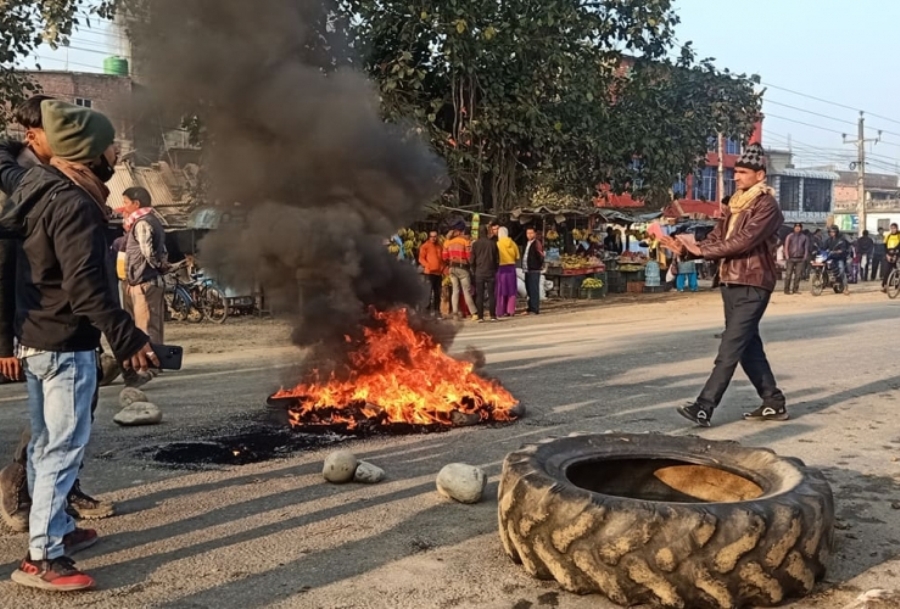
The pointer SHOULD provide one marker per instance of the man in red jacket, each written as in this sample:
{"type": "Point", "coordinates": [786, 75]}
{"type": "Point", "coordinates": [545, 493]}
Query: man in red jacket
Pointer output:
{"type": "Point", "coordinates": [744, 244]}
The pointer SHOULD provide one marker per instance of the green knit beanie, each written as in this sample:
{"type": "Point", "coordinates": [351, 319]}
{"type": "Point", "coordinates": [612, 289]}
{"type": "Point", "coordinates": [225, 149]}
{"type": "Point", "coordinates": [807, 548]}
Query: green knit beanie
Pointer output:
{"type": "Point", "coordinates": [74, 133]}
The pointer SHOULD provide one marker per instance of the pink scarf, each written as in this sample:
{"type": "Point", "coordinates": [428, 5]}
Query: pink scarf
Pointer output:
{"type": "Point", "coordinates": [132, 219]}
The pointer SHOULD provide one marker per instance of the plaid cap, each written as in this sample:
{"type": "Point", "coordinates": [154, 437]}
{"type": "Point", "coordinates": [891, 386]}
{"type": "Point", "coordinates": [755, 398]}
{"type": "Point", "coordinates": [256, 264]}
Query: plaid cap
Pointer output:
{"type": "Point", "coordinates": [754, 157]}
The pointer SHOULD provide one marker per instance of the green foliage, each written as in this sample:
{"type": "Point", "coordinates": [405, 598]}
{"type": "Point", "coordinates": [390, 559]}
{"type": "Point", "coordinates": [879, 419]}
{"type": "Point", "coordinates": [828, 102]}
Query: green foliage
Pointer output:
{"type": "Point", "coordinates": [25, 25]}
{"type": "Point", "coordinates": [527, 93]}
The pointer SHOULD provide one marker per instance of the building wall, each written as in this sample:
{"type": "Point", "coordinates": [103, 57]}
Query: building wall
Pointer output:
{"type": "Point", "coordinates": [111, 95]}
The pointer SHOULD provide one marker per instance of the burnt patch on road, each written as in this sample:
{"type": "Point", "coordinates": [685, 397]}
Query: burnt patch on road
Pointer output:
{"type": "Point", "coordinates": [260, 443]}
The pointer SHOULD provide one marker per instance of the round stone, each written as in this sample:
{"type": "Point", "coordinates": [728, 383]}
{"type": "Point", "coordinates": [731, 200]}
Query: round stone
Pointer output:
{"type": "Point", "coordinates": [461, 482]}
{"type": "Point", "coordinates": [366, 473]}
{"type": "Point", "coordinates": [339, 467]}
{"type": "Point", "coordinates": [139, 413]}
{"type": "Point", "coordinates": [130, 395]}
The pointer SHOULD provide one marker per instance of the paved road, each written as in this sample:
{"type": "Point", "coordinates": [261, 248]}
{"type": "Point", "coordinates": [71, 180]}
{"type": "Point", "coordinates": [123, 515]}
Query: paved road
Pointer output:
{"type": "Point", "coordinates": [274, 535]}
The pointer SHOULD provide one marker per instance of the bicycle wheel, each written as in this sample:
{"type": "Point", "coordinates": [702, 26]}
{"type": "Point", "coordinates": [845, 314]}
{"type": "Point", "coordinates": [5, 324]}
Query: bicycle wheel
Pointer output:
{"type": "Point", "coordinates": [893, 284]}
{"type": "Point", "coordinates": [214, 305]}
{"type": "Point", "coordinates": [818, 283]}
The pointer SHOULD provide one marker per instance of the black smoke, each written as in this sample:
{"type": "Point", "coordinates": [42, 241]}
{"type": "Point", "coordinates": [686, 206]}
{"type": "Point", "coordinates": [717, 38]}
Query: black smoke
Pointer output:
{"type": "Point", "coordinates": [300, 145]}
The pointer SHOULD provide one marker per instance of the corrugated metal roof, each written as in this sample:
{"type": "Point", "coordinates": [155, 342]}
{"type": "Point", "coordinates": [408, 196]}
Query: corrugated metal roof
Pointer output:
{"type": "Point", "coordinates": [150, 178]}
{"type": "Point", "coordinates": [809, 173]}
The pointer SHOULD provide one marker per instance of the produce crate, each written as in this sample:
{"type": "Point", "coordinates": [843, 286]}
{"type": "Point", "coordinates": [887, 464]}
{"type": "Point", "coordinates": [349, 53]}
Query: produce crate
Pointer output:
{"type": "Point", "coordinates": [615, 283]}
{"type": "Point", "coordinates": [655, 289]}
{"type": "Point", "coordinates": [570, 287]}
{"type": "Point", "coordinates": [633, 275]}
{"type": "Point", "coordinates": [635, 287]}
{"type": "Point", "coordinates": [595, 294]}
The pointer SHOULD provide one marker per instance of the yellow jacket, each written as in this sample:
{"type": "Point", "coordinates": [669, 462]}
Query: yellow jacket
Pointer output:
{"type": "Point", "coordinates": [509, 251]}
{"type": "Point", "coordinates": [891, 242]}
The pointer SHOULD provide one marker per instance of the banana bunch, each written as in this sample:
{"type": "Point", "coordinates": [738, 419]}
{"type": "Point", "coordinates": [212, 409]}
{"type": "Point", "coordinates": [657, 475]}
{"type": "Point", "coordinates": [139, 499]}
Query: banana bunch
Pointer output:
{"type": "Point", "coordinates": [394, 249]}
{"type": "Point", "coordinates": [591, 283]}
{"type": "Point", "coordinates": [568, 261]}
{"type": "Point", "coordinates": [408, 247]}
{"type": "Point", "coordinates": [578, 235]}
{"type": "Point", "coordinates": [552, 235]}
{"type": "Point", "coordinates": [594, 239]}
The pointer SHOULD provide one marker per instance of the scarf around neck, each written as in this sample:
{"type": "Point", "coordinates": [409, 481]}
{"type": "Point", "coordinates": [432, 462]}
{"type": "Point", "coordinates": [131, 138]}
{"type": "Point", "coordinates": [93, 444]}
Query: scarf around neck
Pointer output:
{"type": "Point", "coordinates": [86, 180]}
{"type": "Point", "coordinates": [133, 218]}
{"type": "Point", "coordinates": [742, 200]}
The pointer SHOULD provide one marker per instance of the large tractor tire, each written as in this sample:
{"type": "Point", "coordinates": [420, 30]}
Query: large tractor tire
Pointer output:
{"type": "Point", "coordinates": [667, 521]}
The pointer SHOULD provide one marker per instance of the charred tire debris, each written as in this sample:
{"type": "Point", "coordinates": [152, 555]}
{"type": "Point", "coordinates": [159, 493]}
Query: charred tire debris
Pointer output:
{"type": "Point", "coordinates": [690, 555]}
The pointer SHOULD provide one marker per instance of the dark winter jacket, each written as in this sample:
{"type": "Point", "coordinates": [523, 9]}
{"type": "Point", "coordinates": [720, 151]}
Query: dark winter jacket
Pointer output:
{"type": "Point", "coordinates": [27, 160]}
{"type": "Point", "coordinates": [838, 246]}
{"type": "Point", "coordinates": [63, 296]}
{"type": "Point", "coordinates": [485, 258]}
{"type": "Point", "coordinates": [865, 245]}
{"type": "Point", "coordinates": [534, 256]}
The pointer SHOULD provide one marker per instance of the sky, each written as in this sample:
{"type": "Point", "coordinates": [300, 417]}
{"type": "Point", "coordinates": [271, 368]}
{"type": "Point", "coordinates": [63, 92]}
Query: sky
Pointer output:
{"type": "Point", "coordinates": [838, 51]}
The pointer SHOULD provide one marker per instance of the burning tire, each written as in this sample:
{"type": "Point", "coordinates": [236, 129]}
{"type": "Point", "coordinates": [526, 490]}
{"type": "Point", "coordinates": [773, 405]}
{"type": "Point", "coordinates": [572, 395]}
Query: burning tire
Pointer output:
{"type": "Point", "coordinates": [668, 521]}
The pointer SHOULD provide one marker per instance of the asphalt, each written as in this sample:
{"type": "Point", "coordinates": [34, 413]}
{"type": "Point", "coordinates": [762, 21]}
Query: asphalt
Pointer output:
{"type": "Point", "coordinates": [274, 534]}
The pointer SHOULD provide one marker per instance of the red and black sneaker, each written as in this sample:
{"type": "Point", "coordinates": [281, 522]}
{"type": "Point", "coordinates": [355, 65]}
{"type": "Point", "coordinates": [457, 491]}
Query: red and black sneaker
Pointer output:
{"type": "Point", "coordinates": [58, 574]}
{"type": "Point", "coordinates": [78, 540]}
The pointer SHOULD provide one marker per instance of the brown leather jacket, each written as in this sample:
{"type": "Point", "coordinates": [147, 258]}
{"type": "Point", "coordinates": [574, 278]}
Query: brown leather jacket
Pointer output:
{"type": "Point", "coordinates": [748, 256]}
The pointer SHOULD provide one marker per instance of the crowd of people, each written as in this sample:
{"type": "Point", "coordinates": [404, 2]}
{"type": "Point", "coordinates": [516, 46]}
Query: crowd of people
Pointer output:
{"type": "Point", "coordinates": [482, 273]}
{"type": "Point", "coordinates": [59, 292]}
{"type": "Point", "coordinates": [863, 259]}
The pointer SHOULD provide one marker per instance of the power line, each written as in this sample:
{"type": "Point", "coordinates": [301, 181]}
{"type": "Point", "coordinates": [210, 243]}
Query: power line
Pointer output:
{"type": "Point", "coordinates": [791, 120]}
{"type": "Point", "coordinates": [840, 120]}
{"type": "Point", "coordinates": [825, 101]}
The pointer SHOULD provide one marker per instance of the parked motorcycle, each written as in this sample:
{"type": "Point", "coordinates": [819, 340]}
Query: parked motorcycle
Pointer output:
{"type": "Point", "coordinates": [826, 273]}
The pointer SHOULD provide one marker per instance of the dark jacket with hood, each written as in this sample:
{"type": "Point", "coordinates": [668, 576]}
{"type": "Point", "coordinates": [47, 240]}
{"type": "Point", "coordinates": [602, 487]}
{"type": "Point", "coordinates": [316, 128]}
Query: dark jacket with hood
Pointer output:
{"type": "Point", "coordinates": [63, 296]}
{"type": "Point", "coordinates": [748, 255]}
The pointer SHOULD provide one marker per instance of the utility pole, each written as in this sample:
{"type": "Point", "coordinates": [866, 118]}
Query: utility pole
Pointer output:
{"type": "Point", "coordinates": [720, 181]}
{"type": "Point", "coordinates": [860, 143]}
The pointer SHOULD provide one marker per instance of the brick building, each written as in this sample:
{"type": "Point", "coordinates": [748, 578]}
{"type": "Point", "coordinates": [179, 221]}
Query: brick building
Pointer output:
{"type": "Point", "coordinates": [111, 95]}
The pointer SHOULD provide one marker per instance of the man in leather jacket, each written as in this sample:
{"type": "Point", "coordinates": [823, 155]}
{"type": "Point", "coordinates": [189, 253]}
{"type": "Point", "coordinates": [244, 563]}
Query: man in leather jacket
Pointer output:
{"type": "Point", "coordinates": [743, 243]}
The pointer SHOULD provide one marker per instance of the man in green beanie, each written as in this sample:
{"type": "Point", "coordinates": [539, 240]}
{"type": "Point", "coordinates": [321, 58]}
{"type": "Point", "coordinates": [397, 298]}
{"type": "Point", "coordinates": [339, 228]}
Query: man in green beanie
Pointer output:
{"type": "Point", "coordinates": [15, 502]}
{"type": "Point", "coordinates": [63, 303]}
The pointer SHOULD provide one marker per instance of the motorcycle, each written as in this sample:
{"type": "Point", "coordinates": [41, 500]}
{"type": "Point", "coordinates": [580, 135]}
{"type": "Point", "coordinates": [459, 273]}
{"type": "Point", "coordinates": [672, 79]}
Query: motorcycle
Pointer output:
{"type": "Point", "coordinates": [826, 273]}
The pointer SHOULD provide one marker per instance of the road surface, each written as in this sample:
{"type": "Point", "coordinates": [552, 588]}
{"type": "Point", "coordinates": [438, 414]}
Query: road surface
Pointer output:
{"type": "Point", "coordinates": [273, 534]}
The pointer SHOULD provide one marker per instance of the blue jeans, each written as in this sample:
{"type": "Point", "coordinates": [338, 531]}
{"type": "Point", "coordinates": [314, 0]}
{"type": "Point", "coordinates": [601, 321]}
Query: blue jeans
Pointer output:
{"type": "Point", "coordinates": [61, 390]}
{"type": "Point", "coordinates": [691, 279]}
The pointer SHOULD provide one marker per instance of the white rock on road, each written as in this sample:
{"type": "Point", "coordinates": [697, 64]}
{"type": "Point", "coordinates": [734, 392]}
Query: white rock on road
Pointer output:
{"type": "Point", "coordinates": [139, 413]}
{"type": "Point", "coordinates": [366, 473]}
{"type": "Point", "coordinates": [130, 395]}
{"type": "Point", "coordinates": [339, 467]}
{"type": "Point", "coordinates": [461, 482]}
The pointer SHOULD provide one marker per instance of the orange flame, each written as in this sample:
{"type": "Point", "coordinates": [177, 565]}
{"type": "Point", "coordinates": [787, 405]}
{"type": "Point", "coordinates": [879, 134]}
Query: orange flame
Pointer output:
{"type": "Point", "coordinates": [399, 375]}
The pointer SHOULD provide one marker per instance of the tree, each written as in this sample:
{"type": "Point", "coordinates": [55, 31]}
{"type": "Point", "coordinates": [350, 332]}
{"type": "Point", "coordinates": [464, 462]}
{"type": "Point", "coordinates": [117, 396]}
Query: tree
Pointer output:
{"type": "Point", "coordinates": [24, 26]}
{"type": "Point", "coordinates": [526, 93]}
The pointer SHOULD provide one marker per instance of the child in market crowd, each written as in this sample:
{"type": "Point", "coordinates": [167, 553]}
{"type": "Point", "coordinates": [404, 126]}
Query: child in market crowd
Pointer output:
{"type": "Point", "coordinates": [687, 274]}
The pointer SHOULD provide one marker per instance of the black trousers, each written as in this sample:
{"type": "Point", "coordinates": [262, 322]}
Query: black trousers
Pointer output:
{"type": "Point", "coordinates": [877, 261]}
{"type": "Point", "coordinates": [793, 268]}
{"type": "Point", "coordinates": [434, 300]}
{"type": "Point", "coordinates": [482, 285]}
{"type": "Point", "coordinates": [741, 344]}
{"type": "Point", "coordinates": [533, 289]}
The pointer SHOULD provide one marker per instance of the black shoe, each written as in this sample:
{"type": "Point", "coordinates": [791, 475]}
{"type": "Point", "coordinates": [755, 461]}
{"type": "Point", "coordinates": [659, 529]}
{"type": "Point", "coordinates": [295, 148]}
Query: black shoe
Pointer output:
{"type": "Point", "coordinates": [768, 412]}
{"type": "Point", "coordinates": [84, 507]}
{"type": "Point", "coordinates": [696, 413]}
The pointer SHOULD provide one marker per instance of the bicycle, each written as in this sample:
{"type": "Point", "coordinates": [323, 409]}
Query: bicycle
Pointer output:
{"type": "Point", "coordinates": [180, 302]}
{"type": "Point", "coordinates": [892, 286]}
{"type": "Point", "coordinates": [211, 299]}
